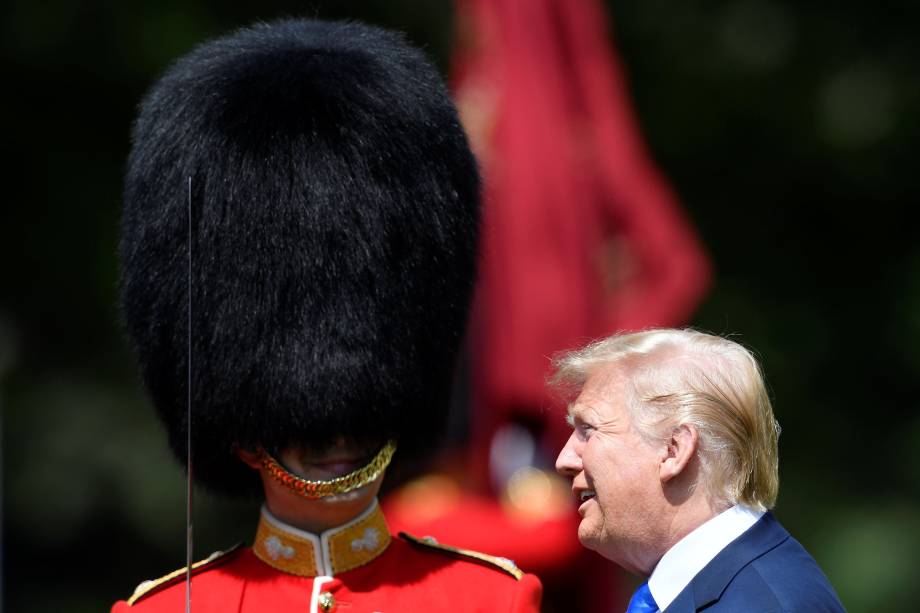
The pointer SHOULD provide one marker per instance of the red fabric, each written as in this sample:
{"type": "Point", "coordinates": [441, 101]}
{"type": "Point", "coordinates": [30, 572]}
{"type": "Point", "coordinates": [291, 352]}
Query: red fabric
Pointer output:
{"type": "Point", "coordinates": [582, 235]}
{"type": "Point", "coordinates": [480, 523]}
{"type": "Point", "coordinates": [404, 578]}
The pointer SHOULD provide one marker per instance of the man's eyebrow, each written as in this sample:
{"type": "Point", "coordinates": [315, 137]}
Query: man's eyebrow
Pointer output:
{"type": "Point", "coordinates": [573, 413]}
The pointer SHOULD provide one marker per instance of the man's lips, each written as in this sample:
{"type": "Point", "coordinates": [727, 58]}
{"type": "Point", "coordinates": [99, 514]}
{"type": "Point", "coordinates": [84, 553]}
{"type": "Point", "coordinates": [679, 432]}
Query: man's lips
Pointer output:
{"type": "Point", "coordinates": [338, 466]}
{"type": "Point", "coordinates": [331, 466]}
{"type": "Point", "coordinates": [583, 496]}
{"type": "Point", "coordinates": [335, 467]}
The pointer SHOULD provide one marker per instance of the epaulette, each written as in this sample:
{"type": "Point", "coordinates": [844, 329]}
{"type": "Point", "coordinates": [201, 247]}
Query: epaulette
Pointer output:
{"type": "Point", "coordinates": [152, 586]}
{"type": "Point", "coordinates": [503, 564]}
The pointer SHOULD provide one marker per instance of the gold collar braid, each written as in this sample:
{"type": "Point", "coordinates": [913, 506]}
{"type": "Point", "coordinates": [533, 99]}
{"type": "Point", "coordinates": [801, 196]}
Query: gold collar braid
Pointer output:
{"type": "Point", "coordinates": [313, 489]}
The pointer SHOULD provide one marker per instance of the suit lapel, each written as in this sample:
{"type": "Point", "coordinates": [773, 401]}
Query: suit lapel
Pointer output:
{"type": "Point", "coordinates": [709, 584]}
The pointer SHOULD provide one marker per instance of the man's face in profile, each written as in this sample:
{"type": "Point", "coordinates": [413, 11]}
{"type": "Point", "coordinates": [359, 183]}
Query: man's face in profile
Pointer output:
{"type": "Point", "coordinates": [614, 471]}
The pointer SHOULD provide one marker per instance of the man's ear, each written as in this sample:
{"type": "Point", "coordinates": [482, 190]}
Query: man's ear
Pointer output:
{"type": "Point", "coordinates": [249, 458]}
{"type": "Point", "coordinates": [681, 448]}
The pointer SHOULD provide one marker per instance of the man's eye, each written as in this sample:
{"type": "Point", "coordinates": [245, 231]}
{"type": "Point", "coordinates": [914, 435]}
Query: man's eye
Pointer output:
{"type": "Point", "coordinates": [583, 429]}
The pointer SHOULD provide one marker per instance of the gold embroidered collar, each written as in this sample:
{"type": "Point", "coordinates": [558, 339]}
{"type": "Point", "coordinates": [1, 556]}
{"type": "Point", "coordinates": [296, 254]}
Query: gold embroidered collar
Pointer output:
{"type": "Point", "coordinates": [332, 552]}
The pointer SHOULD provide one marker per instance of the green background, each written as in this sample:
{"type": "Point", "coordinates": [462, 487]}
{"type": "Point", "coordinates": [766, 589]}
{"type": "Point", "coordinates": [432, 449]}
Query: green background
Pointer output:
{"type": "Point", "coordinates": [789, 130]}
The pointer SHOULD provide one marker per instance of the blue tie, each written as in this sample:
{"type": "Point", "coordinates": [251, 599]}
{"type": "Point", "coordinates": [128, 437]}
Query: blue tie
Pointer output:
{"type": "Point", "coordinates": [642, 601]}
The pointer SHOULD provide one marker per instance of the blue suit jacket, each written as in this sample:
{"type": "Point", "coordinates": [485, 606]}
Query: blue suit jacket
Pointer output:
{"type": "Point", "coordinates": [762, 571]}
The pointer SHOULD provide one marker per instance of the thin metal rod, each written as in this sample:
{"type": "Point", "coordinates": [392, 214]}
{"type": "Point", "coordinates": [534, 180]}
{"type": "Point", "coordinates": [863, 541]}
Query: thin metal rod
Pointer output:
{"type": "Point", "coordinates": [188, 423]}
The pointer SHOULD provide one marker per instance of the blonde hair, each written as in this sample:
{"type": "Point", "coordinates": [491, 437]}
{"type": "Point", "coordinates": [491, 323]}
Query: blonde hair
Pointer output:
{"type": "Point", "coordinates": [683, 376]}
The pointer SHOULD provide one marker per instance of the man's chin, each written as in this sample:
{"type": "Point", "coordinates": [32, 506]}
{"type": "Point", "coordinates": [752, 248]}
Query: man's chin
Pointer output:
{"type": "Point", "coordinates": [588, 537]}
{"type": "Point", "coordinates": [364, 493]}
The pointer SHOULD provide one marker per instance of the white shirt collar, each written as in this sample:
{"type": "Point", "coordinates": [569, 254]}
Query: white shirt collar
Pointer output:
{"type": "Point", "coordinates": [692, 553]}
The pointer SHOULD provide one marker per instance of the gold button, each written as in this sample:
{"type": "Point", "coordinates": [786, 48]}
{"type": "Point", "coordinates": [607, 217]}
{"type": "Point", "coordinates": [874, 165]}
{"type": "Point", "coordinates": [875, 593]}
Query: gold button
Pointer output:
{"type": "Point", "coordinates": [326, 602]}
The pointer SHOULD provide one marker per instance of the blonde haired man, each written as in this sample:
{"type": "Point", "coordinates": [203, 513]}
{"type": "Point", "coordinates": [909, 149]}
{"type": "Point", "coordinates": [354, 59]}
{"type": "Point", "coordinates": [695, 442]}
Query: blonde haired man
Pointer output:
{"type": "Point", "coordinates": [673, 458]}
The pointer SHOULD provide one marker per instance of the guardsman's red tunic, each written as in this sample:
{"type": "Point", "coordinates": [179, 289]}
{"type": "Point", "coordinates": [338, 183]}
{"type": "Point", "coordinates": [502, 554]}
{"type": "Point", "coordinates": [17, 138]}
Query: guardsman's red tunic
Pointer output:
{"type": "Point", "coordinates": [355, 568]}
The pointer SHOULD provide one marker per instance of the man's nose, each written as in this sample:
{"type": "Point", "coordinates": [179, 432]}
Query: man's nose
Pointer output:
{"type": "Point", "coordinates": [568, 462]}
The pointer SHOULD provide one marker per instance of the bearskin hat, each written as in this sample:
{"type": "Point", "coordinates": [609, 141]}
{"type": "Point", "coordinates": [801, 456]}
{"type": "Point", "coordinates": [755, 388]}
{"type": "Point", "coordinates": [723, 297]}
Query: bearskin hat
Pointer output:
{"type": "Point", "coordinates": [334, 217]}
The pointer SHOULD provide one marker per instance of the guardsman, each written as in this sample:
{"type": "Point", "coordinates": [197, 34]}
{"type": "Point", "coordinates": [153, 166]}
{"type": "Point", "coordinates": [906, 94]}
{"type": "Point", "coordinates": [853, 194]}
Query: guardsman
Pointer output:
{"type": "Point", "coordinates": [298, 250]}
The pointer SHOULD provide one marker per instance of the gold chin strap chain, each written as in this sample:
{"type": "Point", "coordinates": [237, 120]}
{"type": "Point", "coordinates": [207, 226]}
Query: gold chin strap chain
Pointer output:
{"type": "Point", "coordinates": [330, 487]}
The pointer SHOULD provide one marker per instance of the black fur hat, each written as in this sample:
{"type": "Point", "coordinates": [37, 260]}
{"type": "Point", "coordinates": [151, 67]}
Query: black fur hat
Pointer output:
{"type": "Point", "coordinates": [335, 210]}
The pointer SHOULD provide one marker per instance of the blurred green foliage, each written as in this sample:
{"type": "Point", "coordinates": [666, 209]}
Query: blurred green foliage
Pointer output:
{"type": "Point", "coordinates": [789, 130]}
